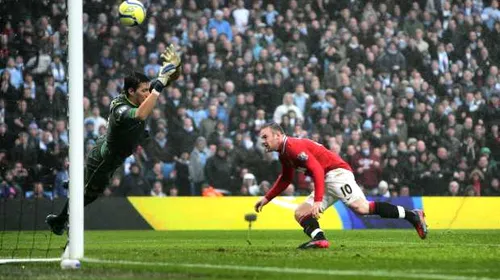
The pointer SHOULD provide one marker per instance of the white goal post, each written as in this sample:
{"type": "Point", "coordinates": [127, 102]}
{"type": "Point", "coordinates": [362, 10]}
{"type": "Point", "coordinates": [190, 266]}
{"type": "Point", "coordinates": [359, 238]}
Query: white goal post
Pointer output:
{"type": "Point", "coordinates": [76, 148]}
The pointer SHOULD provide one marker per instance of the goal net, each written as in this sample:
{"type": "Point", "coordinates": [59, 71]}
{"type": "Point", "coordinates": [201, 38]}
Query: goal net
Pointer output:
{"type": "Point", "coordinates": [24, 236]}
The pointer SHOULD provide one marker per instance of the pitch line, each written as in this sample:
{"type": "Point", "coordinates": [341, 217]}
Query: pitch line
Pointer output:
{"type": "Point", "coordinates": [34, 260]}
{"type": "Point", "coordinates": [368, 273]}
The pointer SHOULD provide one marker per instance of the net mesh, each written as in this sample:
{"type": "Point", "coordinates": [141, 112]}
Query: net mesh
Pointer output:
{"type": "Point", "coordinates": [24, 234]}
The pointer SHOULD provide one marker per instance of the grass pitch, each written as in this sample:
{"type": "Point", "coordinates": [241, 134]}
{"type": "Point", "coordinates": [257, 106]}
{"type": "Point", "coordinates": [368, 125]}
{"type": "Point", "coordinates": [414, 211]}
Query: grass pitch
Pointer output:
{"type": "Point", "coordinates": [367, 254]}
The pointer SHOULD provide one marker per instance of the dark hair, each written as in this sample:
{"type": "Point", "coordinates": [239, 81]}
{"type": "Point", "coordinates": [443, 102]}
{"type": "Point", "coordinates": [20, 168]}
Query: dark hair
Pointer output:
{"type": "Point", "coordinates": [133, 81]}
{"type": "Point", "coordinates": [275, 127]}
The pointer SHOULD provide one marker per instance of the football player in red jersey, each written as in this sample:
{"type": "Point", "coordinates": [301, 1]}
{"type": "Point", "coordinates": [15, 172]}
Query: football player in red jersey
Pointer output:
{"type": "Point", "coordinates": [333, 180]}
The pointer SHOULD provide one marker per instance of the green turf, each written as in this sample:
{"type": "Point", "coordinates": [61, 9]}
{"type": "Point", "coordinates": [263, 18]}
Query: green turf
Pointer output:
{"type": "Point", "coordinates": [368, 254]}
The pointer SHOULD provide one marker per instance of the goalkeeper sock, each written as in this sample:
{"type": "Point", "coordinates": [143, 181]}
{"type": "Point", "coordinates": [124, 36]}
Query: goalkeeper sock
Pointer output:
{"type": "Point", "coordinates": [387, 210]}
{"type": "Point", "coordinates": [87, 199]}
{"type": "Point", "coordinates": [311, 228]}
{"type": "Point", "coordinates": [64, 212]}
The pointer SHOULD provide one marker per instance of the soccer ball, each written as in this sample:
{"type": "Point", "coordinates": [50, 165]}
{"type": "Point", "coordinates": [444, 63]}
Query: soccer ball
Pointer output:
{"type": "Point", "coordinates": [132, 12]}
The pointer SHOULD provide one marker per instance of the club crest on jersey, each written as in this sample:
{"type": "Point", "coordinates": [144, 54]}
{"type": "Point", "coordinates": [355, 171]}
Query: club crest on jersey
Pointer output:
{"type": "Point", "coordinates": [302, 156]}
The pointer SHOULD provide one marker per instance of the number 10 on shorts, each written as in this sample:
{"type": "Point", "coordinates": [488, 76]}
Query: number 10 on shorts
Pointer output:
{"type": "Point", "coordinates": [346, 189]}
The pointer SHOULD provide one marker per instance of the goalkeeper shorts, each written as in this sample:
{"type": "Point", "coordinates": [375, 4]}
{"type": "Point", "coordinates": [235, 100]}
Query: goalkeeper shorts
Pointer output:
{"type": "Point", "coordinates": [100, 167]}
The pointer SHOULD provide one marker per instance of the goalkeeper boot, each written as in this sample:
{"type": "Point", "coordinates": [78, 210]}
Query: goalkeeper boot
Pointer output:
{"type": "Point", "coordinates": [315, 244]}
{"type": "Point", "coordinates": [56, 224]}
{"type": "Point", "coordinates": [419, 223]}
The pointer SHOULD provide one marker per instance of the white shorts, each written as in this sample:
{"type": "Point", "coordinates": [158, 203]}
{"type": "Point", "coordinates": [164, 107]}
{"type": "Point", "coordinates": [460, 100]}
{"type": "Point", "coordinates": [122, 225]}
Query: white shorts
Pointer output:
{"type": "Point", "coordinates": [339, 184]}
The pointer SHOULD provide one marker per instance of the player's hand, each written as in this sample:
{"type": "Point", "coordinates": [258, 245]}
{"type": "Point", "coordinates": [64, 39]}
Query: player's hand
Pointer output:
{"type": "Point", "coordinates": [170, 56]}
{"type": "Point", "coordinates": [258, 206]}
{"type": "Point", "coordinates": [317, 210]}
{"type": "Point", "coordinates": [171, 61]}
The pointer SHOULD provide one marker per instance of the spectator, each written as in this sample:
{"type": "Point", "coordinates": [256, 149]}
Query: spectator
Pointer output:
{"type": "Point", "coordinates": [301, 98]}
{"type": "Point", "coordinates": [196, 112]}
{"type": "Point", "coordinates": [219, 169]}
{"type": "Point", "coordinates": [157, 189]}
{"type": "Point", "coordinates": [367, 167]}
{"type": "Point", "coordinates": [207, 125]}
{"type": "Point", "coordinates": [9, 189]}
{"type": "Point", "coordinates": [453, 189]}
{"type": "Point", "coordinates": [38, 192]}
{"type": "Point", "coordinates": [477, 181]}
{"type": "Point", "coordinates": [158, 148]}
{"type": "Point", "coordinates": [182, 181]}
{"type": "Point", "coordinates": [392, 174]}
{"type": "Point", "coordinates": [433, 182]}
{"type": "Point", "coordinates": [250, 182]}
{"type": "Point", "coordinates": [61, 182]}
{"type": "Point", "coordinates": [221, 25]}
{"type": "Point", "coordinates": [494, 188]}
{"type": "Point", "coordinates": [16, 77]}
{"type": "Point", "coordinates": [404, 191]}
{"type": "Point", "coordinates": [90, 134]}
{"type": "Point", "coordinates": [491, 14]}
{"type": "Point", "coordinates": [241, 16]}
{"type": "Point", "coordinates": [6, 138]}
{"type": "Point", "coordinates": [152, 66]}
{"type": "Point", "coordinates": [218, 135]}
{"type": "Point", "coordinates": [8, 91]}
{"type": "Point", "coordinates": [383, 189]}
{"type": "Point", "coordinates": [21, 118]}
{"type": "Point", "coordinates": [59, 74]}
{"type": "Point", "coordinates": [392, 59]}
{"type": "Point", "coordinates": [62, 134]}
{"type": "Point", "coordinates": [96, 119]}
{"type": "Point", "coordinates": [24, 153]}
{"type": "Point", "coordinates": [198, 160]}
{"type": "Point", "coordinates": [51, 106]}
{"type": "Point", "coordinates": [134, 184]}
{"type": "Point", "coordinates": [286, 107]}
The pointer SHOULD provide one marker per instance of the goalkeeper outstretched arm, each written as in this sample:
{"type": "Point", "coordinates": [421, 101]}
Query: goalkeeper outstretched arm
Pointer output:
{"type": "Point", "coordinates": [171, 63]}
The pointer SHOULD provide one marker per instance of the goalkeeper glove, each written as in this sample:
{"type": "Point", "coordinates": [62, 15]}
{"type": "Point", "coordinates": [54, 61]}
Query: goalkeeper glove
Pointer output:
{"type": "Point", "coordinates": [171, 64]}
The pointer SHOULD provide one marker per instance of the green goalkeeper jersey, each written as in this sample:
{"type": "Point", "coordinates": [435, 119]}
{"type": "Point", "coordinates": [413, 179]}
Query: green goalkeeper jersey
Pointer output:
{"type": "Point", "coordinates": [125, 131]}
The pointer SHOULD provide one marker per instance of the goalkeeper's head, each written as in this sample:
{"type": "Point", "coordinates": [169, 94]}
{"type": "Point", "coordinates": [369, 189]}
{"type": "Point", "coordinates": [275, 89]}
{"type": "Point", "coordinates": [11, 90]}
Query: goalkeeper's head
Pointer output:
{"type": "Point", "coordinates": [136, 87]}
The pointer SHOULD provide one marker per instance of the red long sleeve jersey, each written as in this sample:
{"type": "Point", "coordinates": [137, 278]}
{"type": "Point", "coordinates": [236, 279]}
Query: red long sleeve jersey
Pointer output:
{"type": "Point", "coordinates": [308, 156]}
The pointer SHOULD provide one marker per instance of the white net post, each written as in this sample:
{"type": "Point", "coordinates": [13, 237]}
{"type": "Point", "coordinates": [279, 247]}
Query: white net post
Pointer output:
{"type": "Point", "coordinates": [76, 148]}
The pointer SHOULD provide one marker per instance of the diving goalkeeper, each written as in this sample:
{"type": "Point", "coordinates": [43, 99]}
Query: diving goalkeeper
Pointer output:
{"type": "Point", "coordinates": [126, 129]}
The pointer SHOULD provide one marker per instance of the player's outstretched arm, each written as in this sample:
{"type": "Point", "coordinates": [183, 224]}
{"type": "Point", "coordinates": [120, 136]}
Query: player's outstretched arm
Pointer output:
{"type": "Point", "coordinates": [171, 62]}
{"type": "Point", "coordinates": [279, 186]}
{"type": "Point", "coordinates": [147, 106]}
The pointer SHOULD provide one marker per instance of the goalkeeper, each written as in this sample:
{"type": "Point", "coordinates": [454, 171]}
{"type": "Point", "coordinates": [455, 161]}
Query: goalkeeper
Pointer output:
{"type": "Point", "coordinates": [126, 129]}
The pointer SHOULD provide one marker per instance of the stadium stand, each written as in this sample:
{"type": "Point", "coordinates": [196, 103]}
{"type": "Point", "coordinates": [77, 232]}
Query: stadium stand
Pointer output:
{"type": "Point", "coordinates": [407, 92]}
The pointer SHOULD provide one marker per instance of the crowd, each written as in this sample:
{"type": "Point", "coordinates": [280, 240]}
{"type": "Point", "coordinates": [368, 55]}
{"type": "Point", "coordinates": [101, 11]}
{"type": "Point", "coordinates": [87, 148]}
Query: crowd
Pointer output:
{"type": "Point", "coordinates": [407, 92]}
